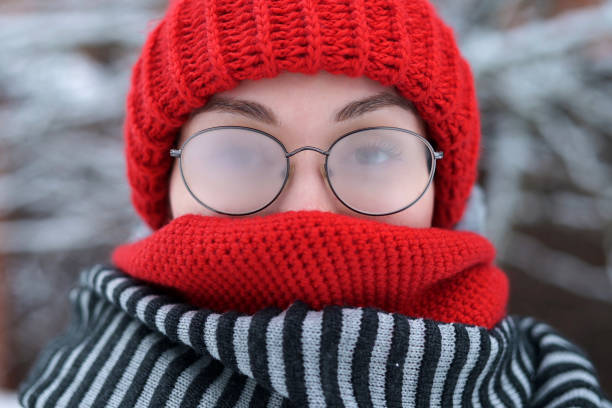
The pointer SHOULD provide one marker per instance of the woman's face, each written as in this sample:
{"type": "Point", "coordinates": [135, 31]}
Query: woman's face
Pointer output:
{"type": "Point", "coordinates": [305, 109]}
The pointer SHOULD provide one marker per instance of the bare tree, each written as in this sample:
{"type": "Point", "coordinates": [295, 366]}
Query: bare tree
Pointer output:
{"type": "Point", "coordinates": [544, 76]}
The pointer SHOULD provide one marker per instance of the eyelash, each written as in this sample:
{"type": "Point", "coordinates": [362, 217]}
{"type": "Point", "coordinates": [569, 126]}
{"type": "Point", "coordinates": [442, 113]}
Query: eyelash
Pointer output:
{"type": "Point", "coordinates": [394, 151]}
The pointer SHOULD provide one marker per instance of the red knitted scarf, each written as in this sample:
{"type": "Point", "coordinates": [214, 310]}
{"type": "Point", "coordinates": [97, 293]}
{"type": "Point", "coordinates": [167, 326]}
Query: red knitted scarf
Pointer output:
{"type": "Point", "coordinates": [322, 258]}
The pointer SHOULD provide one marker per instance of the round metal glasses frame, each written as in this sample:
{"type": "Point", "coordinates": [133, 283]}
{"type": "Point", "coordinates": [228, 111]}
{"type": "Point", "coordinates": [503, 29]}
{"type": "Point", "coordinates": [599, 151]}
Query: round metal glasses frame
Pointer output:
{"type": "Point", "coordinates": [435, 155]}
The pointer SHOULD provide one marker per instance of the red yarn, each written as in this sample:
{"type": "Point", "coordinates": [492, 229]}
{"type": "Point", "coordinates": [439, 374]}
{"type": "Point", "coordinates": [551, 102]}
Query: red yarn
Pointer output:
{"type": "Point", "coordinates": [322, 258]}
{"type": "Point", "coordinates": [202, 47]}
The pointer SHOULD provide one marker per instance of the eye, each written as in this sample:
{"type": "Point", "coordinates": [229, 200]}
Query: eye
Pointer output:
{"type": "Point", "coordinates": [376, 152]}
{"type": "Point", "coordinates": [235, 153]}
{"type": "Point", "coordinates": [237, 156]}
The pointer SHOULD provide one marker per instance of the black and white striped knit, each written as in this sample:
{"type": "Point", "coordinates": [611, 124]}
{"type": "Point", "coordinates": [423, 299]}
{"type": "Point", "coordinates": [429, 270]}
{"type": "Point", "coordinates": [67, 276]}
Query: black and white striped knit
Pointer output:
{"type": "Point", "coordinates": [133, 345]}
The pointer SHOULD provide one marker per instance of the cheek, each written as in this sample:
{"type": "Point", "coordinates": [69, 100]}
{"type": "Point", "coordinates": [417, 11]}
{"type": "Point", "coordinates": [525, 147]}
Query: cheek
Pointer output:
{"type": "Point", "coordinates": [175, 193]}
{"type": "Point", "coordinates": [181, 202]}
{"type": "Point", "coordinates": [419, 215]}
{"type": "Point", "coordinates": [424, 211]}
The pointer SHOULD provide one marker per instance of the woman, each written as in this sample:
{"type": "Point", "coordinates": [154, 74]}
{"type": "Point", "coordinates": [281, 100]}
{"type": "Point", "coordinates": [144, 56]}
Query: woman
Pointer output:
{"type": "Point", "coordinates": [306, 169]}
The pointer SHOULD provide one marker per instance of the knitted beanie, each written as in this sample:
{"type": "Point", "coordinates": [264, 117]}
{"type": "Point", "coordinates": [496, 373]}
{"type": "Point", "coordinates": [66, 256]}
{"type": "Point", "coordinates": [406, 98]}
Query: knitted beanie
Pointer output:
{"type": "Point", "coordinates": [201, 47]}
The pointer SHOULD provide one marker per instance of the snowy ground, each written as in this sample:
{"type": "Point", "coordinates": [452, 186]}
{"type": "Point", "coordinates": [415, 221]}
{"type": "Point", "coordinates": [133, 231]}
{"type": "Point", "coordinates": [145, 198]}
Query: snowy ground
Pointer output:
{"type": "Point", "coordinates": [8, 400]}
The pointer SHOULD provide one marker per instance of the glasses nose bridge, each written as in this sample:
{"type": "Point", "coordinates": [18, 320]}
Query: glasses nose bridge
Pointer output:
{"type": "Point", "coordinates": [300, 149]}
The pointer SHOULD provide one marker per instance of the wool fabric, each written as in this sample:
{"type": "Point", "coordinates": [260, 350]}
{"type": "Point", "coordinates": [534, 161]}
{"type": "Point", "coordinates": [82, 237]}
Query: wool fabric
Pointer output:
{"type": "Point", "coordinates": [201, 47]}
{"type": "Point", "coordinates": [131, 345]}
{"type": "Point", "coordinates": [322, 259]}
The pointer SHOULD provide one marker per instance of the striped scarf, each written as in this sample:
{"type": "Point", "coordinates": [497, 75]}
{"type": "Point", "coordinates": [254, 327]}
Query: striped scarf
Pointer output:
{"type": "Point", "coordinates": [131, 344]}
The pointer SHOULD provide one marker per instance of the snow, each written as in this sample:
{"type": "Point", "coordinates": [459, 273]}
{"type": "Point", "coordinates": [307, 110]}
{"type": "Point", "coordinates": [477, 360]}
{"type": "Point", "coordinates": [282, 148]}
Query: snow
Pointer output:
{"type": "Point", "coordinates": [8, 400]}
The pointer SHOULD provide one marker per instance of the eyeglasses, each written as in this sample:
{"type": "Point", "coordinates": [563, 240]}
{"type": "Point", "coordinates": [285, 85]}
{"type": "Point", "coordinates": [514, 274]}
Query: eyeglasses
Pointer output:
{"type": "Point", "coordinates": [237, 170]}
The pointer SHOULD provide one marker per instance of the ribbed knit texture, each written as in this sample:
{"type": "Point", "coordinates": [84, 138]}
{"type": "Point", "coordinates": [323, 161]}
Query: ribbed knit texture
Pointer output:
{"type": "Point", "coordinates": [322, 259]}
{"type": "Point", "coordinates": [131, 345]}
{"type": "Point", "coordinates": [201, 47]}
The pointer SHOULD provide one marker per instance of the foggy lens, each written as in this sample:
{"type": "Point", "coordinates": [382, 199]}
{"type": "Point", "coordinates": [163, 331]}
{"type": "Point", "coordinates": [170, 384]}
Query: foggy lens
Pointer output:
{"type": "Point", "coordinates": [233, 170]}
{"type": "Point", "coordinates": [378, 171]}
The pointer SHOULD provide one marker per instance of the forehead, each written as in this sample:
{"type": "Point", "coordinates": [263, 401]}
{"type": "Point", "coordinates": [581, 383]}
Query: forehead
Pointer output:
{"type": "Point", "coordinates": [301, 100]}
{"type": "Point", "coordinates": [295, 84]}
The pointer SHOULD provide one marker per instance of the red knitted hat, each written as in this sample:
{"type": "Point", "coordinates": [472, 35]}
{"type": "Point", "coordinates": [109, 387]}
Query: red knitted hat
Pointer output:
{"type": "Point", "coordinates": [202, 47]}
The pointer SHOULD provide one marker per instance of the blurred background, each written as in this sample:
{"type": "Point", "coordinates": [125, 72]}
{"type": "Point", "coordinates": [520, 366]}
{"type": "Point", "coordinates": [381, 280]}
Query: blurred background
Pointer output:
{"type": "Point", "coordinates": [544, 78]}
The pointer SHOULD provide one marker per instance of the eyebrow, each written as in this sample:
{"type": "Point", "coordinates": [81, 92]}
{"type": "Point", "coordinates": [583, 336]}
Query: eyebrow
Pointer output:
{"type": "Point", "coordinates": [262, 113]}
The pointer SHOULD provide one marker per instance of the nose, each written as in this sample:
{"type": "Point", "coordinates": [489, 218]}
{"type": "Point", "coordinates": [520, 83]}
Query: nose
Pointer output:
{"type": "Point", "coordinates": [306, 188]}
